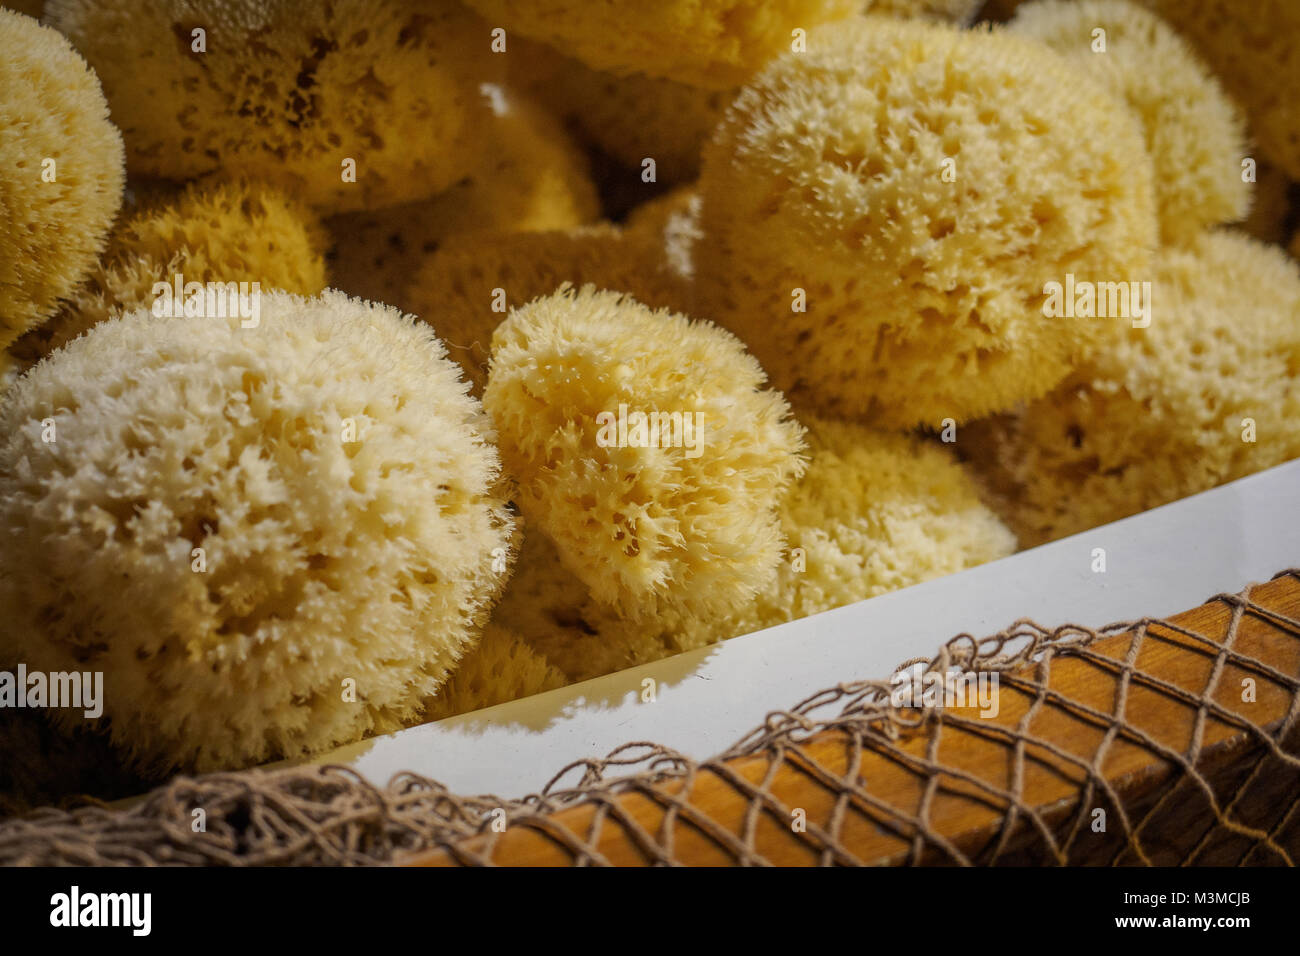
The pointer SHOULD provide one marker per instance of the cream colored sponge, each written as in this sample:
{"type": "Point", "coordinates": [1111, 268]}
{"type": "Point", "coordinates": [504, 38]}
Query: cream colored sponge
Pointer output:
{"type": "Point", "coordinates": [270, 539]}
{"type": "Point", "coordinates": [61, 174]}
{"type": "Point", "coordinates": [302, 95]}
{"type": "Point", "coordinates": [715, 44]}
{"type": "Point", "coordinates": [645, 446]}
{"type": "Point", "coordinates": [1194, 133]}
{"type": "Point", "coordinates": [1206, 394]}
{"type": "Point", "coordinates": [211, 232]}
{"type": "Point", "coordinates": [503, 667]}
{"type": "Point", "coordinates": [881, 215]}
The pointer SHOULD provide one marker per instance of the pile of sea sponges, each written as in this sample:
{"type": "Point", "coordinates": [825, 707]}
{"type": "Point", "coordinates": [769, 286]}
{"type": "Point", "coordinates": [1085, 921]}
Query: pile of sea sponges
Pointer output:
{"type": "Point", "coordinates": [373, 362]}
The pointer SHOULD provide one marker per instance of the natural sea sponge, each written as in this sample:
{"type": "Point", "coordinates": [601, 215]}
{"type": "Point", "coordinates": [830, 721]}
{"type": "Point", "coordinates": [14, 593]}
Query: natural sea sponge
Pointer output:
{"type": "Point", "coordinates": [912, 188]}
{"type": "Point", "coordinates": [290, 92]}
{"type": "Point", "coordinates": [467, 287]}
{"type": "Point", "coordinates": [234, 231]}
{"type": "Point", "coordinates": [713, 44]}
{"type": "Point", "coordinates": [503, 667]}
{"type": "Point", "coordinates": [530, 177]}
{"type": "Point", "coordinates": [671, 224]}
{"type": "Point", "coordinates": [1253, 50]}
{"type": "Point", "coordinates": [61, 178]}
{"type": "Point", "coordinates": [1194, 132]}
{"type": "Point", "coordinates": [1208, 393]}
{"type": "Point", "coordinates": [645, 446]}
{"type": "Point", "coordinates": [631, 117]}
{"type": "Point", "coordinates": [270, 540]}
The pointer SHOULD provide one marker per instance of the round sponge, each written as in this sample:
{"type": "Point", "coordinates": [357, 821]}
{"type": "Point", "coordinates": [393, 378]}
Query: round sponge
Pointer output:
{"type": "Point", "coordinates": [1255, 54]}
{"type": "Point", "coordinates": [645, 446]}
{"type": "Point", "coordinates": [61, 182]}
{"type": "Point", "coordinates": [531, 177]}
{"type": "Point", "coordinates": [881, 215]}
{"type": "Point", "coordinates": [290, 92]}
{"type": "Point", "coordinates": [466, 288]}
{"type": "Point", "coordinates": [1194, 133]}
{"type": "Point", "coordinates": [1206, 394]}
{"type": "Point", "coordinates": [503, 667]}
{"type": "Point", "coordinates": [235, 231]}
{"type": "Point", "coordinates": [714, 44]}
{"type": "Point", "coordinates": [271, 540]}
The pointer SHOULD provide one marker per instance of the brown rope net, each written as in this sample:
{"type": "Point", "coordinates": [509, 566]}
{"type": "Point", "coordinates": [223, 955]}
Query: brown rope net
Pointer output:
{"type": "Point", "coordinates": [1160, 741]}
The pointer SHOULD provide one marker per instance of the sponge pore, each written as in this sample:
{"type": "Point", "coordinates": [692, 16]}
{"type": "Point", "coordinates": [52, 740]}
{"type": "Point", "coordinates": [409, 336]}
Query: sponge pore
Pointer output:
{"type": "Point", "coordinates": [239, 526]}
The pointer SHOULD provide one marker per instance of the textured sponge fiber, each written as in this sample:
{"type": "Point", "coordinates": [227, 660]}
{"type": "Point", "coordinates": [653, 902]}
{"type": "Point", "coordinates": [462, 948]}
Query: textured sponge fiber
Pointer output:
{"type": "Point", "coordinates": [270, 540]}
{"type": "Point", "coordinates": [210, 232]}
{"type": "Point", "coordinates": [1194, 133]}
{"type": "Point", "coordinates": [1167, 411]}
{"type": "Point", "coordinates": [715, 44]}
{"type": "Point", "coordinates": [61, 174]}
{"type": "Point", "coordinates": [503, 667]}
{"type": "Point", "coordinates": [289, 91]}
{"type": "Point", "coordinates": [881, 214]}
{"type": "Point", "coordinates": [676, 512]}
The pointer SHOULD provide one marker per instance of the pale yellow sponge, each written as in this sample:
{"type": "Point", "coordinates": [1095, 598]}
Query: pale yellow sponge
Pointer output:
{"type": "Point", "coordinates": [881, 216]}
{"type": "Point", "coordinates": [502, 668]}
{"type": "Point", "coordinates": [714, 44]}
{"type": "Point", "coordinates": [270, 539]}
{"type": "Point", "coordinates": [349, 104]}
{"type": "Point", "coordinates": [1208, 393]}
{"type": "Point", "coordinates": [530, 177]}
{"type": "Point", "coordinates": [1254, 51]}
{"type": "Point", "coordinates": [211, 232]}
{"type": "Point", "coordinates": [646, 447]}
{"type": "Point", "coordinates": [1194, 132]}
{"type": "Point", "coordinates": [467, 287]}
{"type": "Point", "coordinates": [632, 117]}
{"type": "Point", "coordinates": [61, 175]}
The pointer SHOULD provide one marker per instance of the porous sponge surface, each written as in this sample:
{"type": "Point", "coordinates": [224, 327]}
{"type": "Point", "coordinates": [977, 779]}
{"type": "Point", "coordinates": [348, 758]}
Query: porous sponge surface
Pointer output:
{"type": "Point", "coordinates": [687, 525]}
{"type": "Point", "coordinates": [51, 108]}
{"type": "Point", "coordinates": [323, 559]}
{"type": "Point", "coordinates": [1160, 414]}
{"type": "Point", "coordinates": [237, 231]}
{"type": "Point", "coordinates": [922, 298]}
{"type": "Point", "coordinates": [501, 668]}
{"type": "Point", "coordinates": [715, 44]}
{"type": "Point", "coordinates": [1194, 132]}
{"type": "Point", "coordinates": [287, 91]}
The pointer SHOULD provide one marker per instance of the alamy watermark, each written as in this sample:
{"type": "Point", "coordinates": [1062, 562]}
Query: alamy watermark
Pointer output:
{"type": "Point", "coordinates": [636, 429]}
{"type": "Point", "coordinates": [918, 687]}
{"type": "Point", "coordinates": [1082, 299]}
{"type": "Point", "coordinates": [71, 689]}
{"type": "Point", "coordinates": [213, 300]}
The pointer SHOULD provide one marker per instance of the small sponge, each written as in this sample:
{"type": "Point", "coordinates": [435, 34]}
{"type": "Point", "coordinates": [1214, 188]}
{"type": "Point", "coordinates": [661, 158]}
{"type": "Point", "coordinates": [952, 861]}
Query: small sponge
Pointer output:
{"type": "Point", "coordinates": [714, 44]}
{"type": "Point", "coordinates": [1194, 133]}
{"type": "Point", "coordinates": [645, 446]}
{"type": "Point", "coordinates": [501, 668]}
{"type": "Point", "coordinates": [289, 92]}
{"type": "Point", "coordinates": [466, 288]}
{"type": "Point", "coordinates": [1208, 393]}
{"type": "Point", "coordinates": [881, 215]}
{"type": "Point", "coordinates": [211, 232]}
{"type": "Point", "coordinates": [61, 177]}
{"type": "Point", "coordinates": [531, 177]}
{"type": "Point", "coordinates": [270, 540]}
{"type": "Point", "coordinates": [1253, 50]}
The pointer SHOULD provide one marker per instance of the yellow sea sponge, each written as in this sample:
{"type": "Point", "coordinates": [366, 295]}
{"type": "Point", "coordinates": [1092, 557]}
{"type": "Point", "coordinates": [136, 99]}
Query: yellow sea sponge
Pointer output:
{"type": "Point", "coordinates": [302, 95]}
{"type": "Point", "coordinates": [466, 288]}
{"type": "Point", "coordinates": [271, 540]}
{"type": "Point", "coordinates": [671, 223]}
{"type": "Point", "coordinates": [645, 446]}
{"type": "Point", "coordinates": [235, 231]}
{"type": "Point", "coordinates": [882, 213]}
{"type": "Point", "coordinates": [61, 182]}
{"type": "Point", "coordinates": [1194, 132]}
{"type": "Point", "coordinates": [1253, 50]}
{"type": "Point", "coordinates": [1206, 394]}
{"type": "Point", "coordinates": [713, 44]}
{"type": "Point", "coordinates": [631, 117]}
{"type": "Point", "coordinates": [503, 667]}
{"type": "Point", "coordinates": [531, 177]}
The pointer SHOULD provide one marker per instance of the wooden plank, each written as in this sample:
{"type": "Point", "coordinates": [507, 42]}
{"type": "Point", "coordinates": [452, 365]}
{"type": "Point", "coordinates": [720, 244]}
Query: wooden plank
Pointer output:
{"type": "Point", "coordinates": [1139, 771]}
